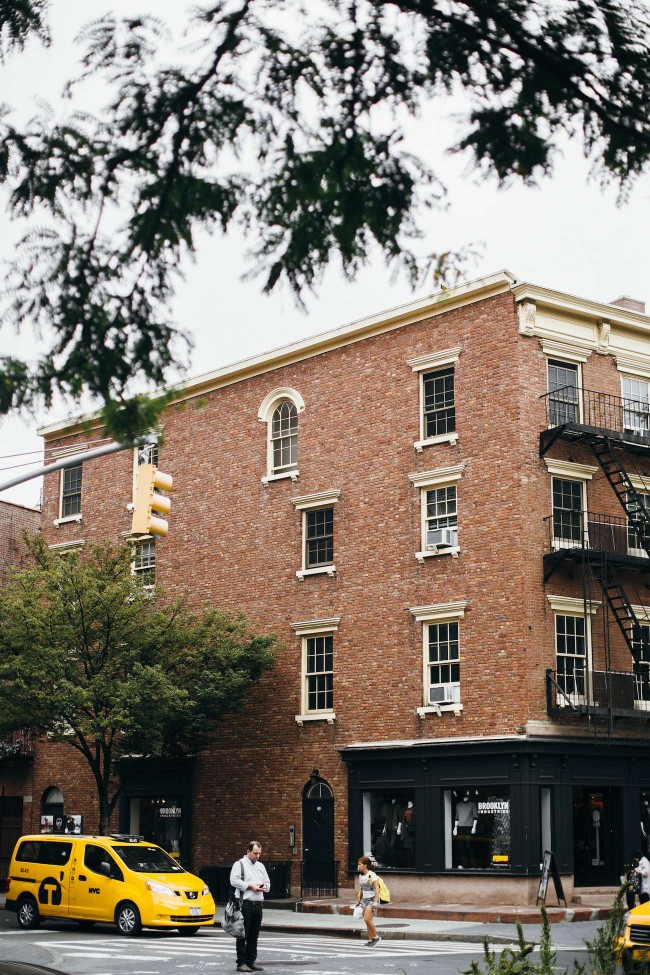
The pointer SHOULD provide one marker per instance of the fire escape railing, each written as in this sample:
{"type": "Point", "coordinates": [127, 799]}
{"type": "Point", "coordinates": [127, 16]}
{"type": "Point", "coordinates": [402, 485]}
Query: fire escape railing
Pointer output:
{"type": "Point", "coordinates": [603, 411]}
{"type": "Point", "coordinates": [19, 743]}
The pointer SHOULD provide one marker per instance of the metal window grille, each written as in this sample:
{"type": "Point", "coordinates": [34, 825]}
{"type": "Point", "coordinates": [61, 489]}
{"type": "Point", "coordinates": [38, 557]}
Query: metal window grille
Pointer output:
{"type": "Point", "coordinates": [319, 537]}
{"type": "Point", "coordinates": [319, 673]}
{"type": "Point", "coordinates": [439, 403]}
{"type": "Point", "coordinates": [443, 665]}
{"type": "Point", "coordinates": [71, 492]}
{"type": "Point", "coordinates": [284, 438]}
{"type": "Point", "coordinates": [144, 563]}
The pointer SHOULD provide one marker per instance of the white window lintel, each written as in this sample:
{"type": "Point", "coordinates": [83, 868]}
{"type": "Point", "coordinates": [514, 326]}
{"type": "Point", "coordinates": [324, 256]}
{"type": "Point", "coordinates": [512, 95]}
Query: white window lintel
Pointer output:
{"type": "Point", "coordinates": [444, 475]}
{"type": "Point", "coordinates": [565, 351]}
{"type": "Point", "coordinates": [439, 611]}
{"type": "Point", "coordinates": [434, 360]}
{"type": "Point", "coordinates": [572, 606]}
{"type": "Point", "coordinates": [565, 468]}
{"type": "Point", "coordinates": [314, 627]}
{"type": "Point", "coordinates": [323, 499]}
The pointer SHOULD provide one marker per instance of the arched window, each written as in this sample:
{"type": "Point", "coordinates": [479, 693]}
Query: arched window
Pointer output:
{"type": "Point", "coordinates": [318, 790]}
{"type": "Point", "coordinates": [280, 410]}
{"type": "Point", "coordinates": [284, 438]}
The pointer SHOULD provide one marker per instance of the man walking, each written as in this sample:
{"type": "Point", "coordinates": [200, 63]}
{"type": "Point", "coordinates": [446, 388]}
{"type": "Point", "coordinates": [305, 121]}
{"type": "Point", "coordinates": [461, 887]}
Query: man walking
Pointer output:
{"type": "Point", "coordinates": [249, 877]}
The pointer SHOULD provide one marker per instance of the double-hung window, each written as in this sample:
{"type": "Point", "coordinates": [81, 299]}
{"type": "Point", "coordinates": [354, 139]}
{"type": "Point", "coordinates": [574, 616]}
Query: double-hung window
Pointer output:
{"type": "Point", "coordinates": [144, 562]}
{"type": "Point", "coordinates": [279, 411]}
{"type": "Point", "coordinates": [441, 656]}
{"type": "Point", "coordinates": [317, 669]}
{"type": "Point", "coordinates": [437, 372]}
{"type": "Point", "coordinates": [638, 534]}
{"type": "Point", "coordinates": [641, 645]}
{"type": "Point", "coordinates": [636, 406]}
{"type": "Point", "coordinates": [569, 517]}
{"type": "Point", "coordinates": [563, 399]}
{"type": "Point", "coordinates": [438, 511]}
{"type": "Point", "coordinates": [317, 514]}
{"type": "Point", "coordinates": [572, 648]}
{"type": "Point", "coordinates": [71, 492]}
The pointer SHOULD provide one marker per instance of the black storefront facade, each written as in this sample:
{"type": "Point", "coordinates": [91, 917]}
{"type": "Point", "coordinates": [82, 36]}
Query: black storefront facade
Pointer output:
{"type": "Point", "coordinates": [156, 803]}
{"type": "Point", "coordinates": [469, 821]}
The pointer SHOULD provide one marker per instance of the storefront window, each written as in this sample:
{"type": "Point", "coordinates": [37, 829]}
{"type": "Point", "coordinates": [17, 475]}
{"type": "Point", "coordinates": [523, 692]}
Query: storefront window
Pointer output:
{"type": "Point", "coordinates": [389, 827]}
{"type": "Point", "coordinates": [477, 829]}
{"type": "Point", "coordinates": [158, 820]}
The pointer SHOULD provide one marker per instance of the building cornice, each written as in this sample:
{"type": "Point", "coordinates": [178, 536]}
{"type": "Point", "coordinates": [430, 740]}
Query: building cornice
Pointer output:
{"type": "Point", "coordinates": [594, 311]}
{"type": "Point", "coordinates": [406, 314]}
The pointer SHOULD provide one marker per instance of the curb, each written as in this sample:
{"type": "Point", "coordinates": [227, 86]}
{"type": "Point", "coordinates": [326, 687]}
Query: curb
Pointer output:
{"type": "Point", "coordinates": [478, 939]}
{"type": "Point", "coordinates": [506, 915]}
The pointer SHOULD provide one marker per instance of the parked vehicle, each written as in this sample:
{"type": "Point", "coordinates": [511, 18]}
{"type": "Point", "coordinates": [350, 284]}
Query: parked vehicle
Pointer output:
{"type": "Point", "coordinates": [634, 945]}
{"type": "Point", "coordinates": [117, 879]}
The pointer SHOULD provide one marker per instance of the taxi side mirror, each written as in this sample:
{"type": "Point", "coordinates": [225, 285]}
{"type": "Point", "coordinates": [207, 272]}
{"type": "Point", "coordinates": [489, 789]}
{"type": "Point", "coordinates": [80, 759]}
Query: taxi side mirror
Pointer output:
{"type": "Point", "coordinates": [105, 868]}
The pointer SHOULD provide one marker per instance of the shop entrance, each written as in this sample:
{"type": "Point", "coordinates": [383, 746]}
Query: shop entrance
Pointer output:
{"type": "Point", "coordinates": [596, 822]}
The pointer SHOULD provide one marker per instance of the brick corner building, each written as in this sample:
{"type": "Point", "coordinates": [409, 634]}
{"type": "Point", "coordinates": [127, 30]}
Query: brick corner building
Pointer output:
{"type": "Point", "coordinates": [442, 511]}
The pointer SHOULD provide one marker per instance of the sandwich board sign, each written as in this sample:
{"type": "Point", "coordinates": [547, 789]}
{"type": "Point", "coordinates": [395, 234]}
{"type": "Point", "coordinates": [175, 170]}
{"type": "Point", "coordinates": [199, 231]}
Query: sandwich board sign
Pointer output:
{"type": "Point", "coordinates": [549, 869]}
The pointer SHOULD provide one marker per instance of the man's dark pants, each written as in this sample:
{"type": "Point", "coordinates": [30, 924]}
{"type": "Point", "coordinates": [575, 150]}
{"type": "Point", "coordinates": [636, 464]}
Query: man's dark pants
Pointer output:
{"type": "Point", "coordinates": [247, 946]}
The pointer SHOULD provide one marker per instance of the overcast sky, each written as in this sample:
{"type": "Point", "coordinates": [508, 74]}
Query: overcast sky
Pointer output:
{"type": "Point", "coordinates": [568, 234]}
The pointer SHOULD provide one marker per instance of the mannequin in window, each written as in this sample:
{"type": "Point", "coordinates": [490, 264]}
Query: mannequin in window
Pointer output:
{"type": "Point", "coordinates": [408, 836]}
{"type": "Point", "coordinates": [645, 827]}
{"type": "Point", "coordinates": [393, 829]}
{"type": "Point", "coordinates": [465, 823]}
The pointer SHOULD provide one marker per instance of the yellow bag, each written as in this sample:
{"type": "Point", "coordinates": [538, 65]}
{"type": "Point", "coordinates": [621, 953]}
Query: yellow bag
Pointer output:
{"type": "Point", "coordinates": [384, 893]}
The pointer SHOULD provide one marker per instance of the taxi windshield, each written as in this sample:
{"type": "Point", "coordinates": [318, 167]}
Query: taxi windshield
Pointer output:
{"type": "Point", "coordinates": [147, 859]}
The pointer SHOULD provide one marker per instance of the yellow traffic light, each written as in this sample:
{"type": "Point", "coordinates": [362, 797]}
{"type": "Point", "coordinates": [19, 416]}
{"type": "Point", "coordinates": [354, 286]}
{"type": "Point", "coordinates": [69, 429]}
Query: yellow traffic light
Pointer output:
{"type": "Point", "coordinates": [149, 503]}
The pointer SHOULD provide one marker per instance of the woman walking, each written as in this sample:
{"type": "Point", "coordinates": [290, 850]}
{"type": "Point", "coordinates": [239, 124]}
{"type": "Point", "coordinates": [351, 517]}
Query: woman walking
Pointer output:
{"type": "Point", "coordinates": [368, 897]}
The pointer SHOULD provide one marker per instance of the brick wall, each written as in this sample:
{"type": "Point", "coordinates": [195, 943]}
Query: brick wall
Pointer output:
{"type": "Point", "coordinates": [235, 542]}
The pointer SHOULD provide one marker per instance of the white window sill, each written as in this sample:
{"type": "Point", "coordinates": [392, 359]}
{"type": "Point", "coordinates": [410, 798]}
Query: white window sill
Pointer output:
{"type": "Point", "coordinates": [328, 716]}
{"type": "Point", "coordinates": [69, 518]}
{"type": "Point", "coordinates": [453, 550]}
{"type": "Point", "coordinates": [281, 477]}
{"type": "Point", "coordinates": [451, 438]}
{"type": "Point", "coordinates": [439, 708]}
{"type": "Point", "coordinates": [330, 570]}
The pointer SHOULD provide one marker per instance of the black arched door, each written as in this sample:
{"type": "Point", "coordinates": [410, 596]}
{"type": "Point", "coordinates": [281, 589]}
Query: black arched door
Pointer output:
{"type": "Point", "coordinates": [319, 867]}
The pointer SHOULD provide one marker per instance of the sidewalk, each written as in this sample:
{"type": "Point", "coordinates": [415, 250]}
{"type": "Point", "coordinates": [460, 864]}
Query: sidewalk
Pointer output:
{"type": "Point", "coordinates": [428, 923]}
{"type": "Point", "coordinates": [565, 933]}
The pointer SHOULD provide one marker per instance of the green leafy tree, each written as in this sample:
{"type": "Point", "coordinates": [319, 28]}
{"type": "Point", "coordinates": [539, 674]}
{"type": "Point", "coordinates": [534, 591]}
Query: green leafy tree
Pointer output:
{"type": "Point", "coordinates": [90, 659]}
{"type": "Point", "coordinates": [286, 120]}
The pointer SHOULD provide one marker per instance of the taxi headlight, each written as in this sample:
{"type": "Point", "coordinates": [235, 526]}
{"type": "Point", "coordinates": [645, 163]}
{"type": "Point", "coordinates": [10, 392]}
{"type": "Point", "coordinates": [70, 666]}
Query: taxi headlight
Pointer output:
{"type": "Point", "coordinates": [157, 888]}
{"type": "Point", "coordinates": [205, 891]}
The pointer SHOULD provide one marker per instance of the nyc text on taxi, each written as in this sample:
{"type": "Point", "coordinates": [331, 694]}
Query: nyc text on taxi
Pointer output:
{"type": "Point", "coordinates": [119, 879]}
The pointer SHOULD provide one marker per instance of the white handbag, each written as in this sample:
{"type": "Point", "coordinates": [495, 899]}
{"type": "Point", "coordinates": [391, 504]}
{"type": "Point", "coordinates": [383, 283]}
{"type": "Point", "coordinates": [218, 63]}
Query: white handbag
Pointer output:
{"type": "Point", "coordinates": [358, 911]}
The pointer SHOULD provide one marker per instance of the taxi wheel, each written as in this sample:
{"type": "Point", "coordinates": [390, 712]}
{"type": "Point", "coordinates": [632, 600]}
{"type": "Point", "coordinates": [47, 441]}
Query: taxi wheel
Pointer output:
{"type": "Point", "coordinates": [27, 913]}
{"type": "Point", "coordinates": [190, 929]}
{"type": "Point", "coordinates": [127, 918]}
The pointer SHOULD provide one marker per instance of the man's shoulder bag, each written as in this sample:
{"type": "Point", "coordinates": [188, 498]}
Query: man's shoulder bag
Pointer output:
{"type": "Point", "coordinates": [232, 921]}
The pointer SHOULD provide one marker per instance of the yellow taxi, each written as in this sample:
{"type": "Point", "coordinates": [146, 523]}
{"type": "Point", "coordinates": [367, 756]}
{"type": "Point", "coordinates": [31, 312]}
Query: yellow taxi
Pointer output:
{"type": "Point", "coordinates": [118, 879]}
{"type": "Point", "coordinates": [634, 946]}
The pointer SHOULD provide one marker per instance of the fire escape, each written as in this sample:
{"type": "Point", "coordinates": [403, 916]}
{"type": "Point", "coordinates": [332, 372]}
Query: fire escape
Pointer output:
{"type": "Point", "coordinates": [607, 551]}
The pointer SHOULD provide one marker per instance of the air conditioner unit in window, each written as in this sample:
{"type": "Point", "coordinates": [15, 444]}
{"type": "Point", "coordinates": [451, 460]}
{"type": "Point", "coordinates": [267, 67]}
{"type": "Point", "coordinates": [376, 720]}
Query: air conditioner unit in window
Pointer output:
{"type": "Point", "coordinates": [442, 538]}
{"type": "Point", "coordinates": [445, 694]}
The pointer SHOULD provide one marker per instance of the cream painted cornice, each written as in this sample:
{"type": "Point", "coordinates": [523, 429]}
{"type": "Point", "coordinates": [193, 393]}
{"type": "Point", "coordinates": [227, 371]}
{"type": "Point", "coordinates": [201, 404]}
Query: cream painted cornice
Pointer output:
{"type": "Point", "coordinates": [309, 627]}
{"type": "Point", "coordinates": [385, 321]}
{"type": "Point", "coordinates": [316, 500]}
{"type": "Point", "coordinates": [633, 365]}
{"type": "Point", "coordinates": [444, 475]}
{"type": "Point", "coordinates": [573, 606]}
{"type": "Point", "coordinates": [640, 483]}
{"type": "Point", "coordinates": [593, 311]}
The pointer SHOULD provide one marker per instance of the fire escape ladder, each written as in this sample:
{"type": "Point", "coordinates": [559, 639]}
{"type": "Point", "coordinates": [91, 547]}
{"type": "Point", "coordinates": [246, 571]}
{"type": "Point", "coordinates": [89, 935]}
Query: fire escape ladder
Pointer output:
{"type": "Point", "coordinates": [637, 513]}
{"type": "Point", "coordinates": [619, 604]}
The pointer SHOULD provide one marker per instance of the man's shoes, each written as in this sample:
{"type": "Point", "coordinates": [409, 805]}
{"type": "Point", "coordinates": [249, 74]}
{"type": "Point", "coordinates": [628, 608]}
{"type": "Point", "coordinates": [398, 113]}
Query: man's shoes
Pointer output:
{"type": "Point", "coordinates": [244, 968]}
{"type": "Point", "coordinates": [256, 968]}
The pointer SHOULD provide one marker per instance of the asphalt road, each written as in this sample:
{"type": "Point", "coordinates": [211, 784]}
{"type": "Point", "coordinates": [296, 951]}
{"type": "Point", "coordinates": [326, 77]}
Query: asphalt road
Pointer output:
{"type": "Point", "coordinates": [104, 952]}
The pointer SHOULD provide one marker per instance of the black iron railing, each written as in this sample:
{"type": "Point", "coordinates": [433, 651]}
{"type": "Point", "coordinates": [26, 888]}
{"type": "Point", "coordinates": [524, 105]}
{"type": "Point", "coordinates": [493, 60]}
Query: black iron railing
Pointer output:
{"type": "Point", "coordinates": [20, 743]}
{"type": "Point", "coordinates": [598, 532]}
{"type": "Point", "coordinates": [319, 878]}
{"type": "Point", "coordinates": [573, 687]}
{"type": "Point", "coordinates": [604, 411]}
